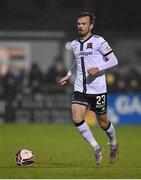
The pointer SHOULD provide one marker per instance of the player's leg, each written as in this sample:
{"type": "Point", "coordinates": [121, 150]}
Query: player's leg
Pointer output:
{"type": "Point", "coordinates": [108, 127]}
{"type": "Point", "coordinates": [99, 106]}
{"type": "Point", "coordinates": [78, 112]}
{"type": "Point", "coordinates": [79, 106]}
{"type": "Point", "coordinates": [110, 131]}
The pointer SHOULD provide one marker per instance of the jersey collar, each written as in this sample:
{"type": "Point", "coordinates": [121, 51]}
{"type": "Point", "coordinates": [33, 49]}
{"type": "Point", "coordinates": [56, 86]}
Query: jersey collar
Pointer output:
{"type": "Point", "coordinates": [85, 39]}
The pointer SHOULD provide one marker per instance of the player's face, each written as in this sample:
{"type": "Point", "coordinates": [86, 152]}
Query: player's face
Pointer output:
{"type": "Point", "coordinates": [84, 26]}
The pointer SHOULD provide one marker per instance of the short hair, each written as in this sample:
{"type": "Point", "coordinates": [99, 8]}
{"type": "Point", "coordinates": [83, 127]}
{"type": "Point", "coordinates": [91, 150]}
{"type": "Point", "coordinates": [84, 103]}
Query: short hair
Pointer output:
{"type": "Point", "coordinates": [89, 14]}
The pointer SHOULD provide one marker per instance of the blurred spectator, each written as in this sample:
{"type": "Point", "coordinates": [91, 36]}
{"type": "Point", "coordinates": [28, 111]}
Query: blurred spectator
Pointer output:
{"type": "Point", "coordinates": [134, 80]}
{"type": "Point", "coordinates": [35, 77]}
{"type": "Point", "coordinates": [56, 71]}
{"type": "Point", "coordinates": [9, 84]}
{"type": "Point", "coordinates": [125, 79]}
{"type": "Point", "coordinates": [122, 78]}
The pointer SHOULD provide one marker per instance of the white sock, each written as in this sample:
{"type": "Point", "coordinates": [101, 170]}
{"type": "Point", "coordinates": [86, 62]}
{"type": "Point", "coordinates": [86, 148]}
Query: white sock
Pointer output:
{"type": "Point", "coordinates": [87, 134]}
{"type": "Point", "coordinates": [110, 131]}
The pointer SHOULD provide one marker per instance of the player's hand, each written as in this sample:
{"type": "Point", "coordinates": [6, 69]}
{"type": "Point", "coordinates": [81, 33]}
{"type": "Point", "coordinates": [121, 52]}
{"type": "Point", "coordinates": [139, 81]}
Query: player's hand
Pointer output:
{"type": "Point", "coordinates": [64, 80]}
{"type": "Point", "coordinates": [93, 70]}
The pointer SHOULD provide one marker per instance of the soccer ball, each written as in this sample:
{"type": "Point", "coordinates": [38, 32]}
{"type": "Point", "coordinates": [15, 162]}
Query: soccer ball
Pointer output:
{"type": "Point", "coordinates": [25, 157]}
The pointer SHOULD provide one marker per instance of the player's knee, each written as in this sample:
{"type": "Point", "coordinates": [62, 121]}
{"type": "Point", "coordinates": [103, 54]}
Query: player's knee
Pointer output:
{"type": "Point", "coordinates": [78, 113]}
{"type": "Point", "coordinates": [77, 118]}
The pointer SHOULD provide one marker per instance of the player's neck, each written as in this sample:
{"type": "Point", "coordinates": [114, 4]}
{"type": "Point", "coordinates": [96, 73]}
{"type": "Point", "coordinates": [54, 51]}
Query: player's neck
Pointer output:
{"type": "Point", "coordinates": [85, 37]}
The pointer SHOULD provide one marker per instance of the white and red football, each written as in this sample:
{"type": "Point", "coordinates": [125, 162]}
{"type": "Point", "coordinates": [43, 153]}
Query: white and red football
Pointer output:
{"type": "Point", "coordinates": [25, 157]}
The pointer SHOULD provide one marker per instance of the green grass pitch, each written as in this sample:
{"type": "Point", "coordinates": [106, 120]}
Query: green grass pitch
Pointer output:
{"type": "Point", "coordinates": [62, 153]}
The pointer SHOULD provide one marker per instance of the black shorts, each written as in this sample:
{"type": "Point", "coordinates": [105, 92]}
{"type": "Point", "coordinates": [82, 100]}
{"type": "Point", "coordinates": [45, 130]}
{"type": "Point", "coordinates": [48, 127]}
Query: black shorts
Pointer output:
{"type": "Point", "coordinates": [96, 102]}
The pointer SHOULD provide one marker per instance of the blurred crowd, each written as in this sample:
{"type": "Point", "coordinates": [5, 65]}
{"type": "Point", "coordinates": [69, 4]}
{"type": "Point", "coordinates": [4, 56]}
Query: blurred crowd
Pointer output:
{"type": "Point", "coordinates": [18, 80]}
{"type": "Point", "coordinates": [125, 78]}
{"type": "Point", "coordinates": [122, 79]}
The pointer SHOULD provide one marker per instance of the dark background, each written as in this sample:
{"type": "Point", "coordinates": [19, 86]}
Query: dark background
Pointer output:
{"type": "Point", "coordinates": [112, 15]}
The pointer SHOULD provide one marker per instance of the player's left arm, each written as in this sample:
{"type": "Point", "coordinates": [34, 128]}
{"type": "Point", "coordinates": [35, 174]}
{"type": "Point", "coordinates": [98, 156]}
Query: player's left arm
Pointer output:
{"type": "Point", "coordinates": [110, 59]}
{"type": "Point", "coordinates": [110, 62]}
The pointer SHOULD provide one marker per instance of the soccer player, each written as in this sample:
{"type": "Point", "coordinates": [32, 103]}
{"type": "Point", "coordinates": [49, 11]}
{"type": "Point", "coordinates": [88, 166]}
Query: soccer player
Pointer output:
{"type": "Point", "coordinates": [93, 56]}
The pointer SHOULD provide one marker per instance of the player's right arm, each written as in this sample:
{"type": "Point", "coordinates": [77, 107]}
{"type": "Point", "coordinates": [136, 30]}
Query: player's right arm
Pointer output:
{"type": "Point", "coordinates": [65, 79]}
{"type": "Point", "coordinates": [71, 71]}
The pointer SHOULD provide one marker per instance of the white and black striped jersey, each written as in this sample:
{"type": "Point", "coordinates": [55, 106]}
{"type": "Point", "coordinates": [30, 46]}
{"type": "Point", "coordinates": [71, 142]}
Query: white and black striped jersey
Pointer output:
{"type": "Point", "coordinates": [92, 52]}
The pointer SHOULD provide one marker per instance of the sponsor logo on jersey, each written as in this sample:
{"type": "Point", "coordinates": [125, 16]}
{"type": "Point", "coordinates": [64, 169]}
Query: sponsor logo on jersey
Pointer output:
{"type": "Point", "coordinates": [83, 53]}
